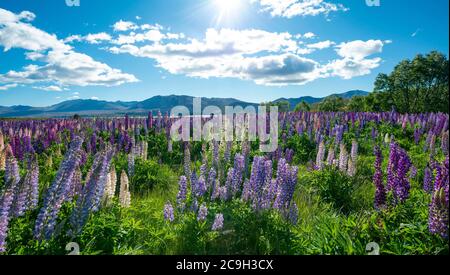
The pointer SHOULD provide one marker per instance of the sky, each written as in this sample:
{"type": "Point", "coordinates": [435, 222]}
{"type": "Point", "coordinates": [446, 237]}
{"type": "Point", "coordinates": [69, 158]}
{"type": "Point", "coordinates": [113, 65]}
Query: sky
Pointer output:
{"type": "Point", "coordinates": [252, 50]}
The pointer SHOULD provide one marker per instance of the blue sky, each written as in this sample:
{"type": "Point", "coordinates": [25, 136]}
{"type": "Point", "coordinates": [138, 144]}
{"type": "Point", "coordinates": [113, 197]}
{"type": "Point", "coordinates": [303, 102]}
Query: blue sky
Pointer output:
{"type": "Point", "coordinates": [253, 50]}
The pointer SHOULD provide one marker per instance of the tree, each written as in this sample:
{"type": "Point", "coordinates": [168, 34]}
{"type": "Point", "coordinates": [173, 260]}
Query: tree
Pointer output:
{"type": "Point", "coordinates": [283, 105]}
{"type": "Point", "coordinates": [357, 104]}
{"type": "Point", "coordinates": [331, 104]}
{"type": "Point", "coordinates": [302, 107]}
{"type": "Point", "coordinates": [418, 85]}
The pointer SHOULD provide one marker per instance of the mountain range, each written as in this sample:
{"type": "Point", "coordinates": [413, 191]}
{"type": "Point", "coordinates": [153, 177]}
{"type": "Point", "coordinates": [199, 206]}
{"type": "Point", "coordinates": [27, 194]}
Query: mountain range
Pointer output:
{"type": "Point", "coordinates": [89, 107]}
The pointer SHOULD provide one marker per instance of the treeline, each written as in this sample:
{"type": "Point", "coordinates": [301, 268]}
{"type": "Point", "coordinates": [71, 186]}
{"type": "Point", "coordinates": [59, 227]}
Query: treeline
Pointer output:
{"type": "Point", "coordinates": [414, 86]}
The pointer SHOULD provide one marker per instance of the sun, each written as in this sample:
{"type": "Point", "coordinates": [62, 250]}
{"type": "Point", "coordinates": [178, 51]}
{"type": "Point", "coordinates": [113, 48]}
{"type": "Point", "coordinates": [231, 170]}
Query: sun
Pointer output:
{"type": "Point", "coordinates": [227, 6]}
{"type": "Point", "coordinates": [227, 10]}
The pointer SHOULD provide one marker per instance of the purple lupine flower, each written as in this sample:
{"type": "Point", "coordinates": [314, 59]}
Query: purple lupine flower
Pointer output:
{"type": "Point", "coordinates": [392, 166]}
{"type": "Point", "coordinates": [439, 207]}
{"type": "Point", "coordinates": [229, 183]}
{"type": "Point", "coordinates": [168, 212]}
{"type": "Point", "coordinates": [417, 135]}
{"type": "Point", "coordinates": [293, 214]}
{"type": "Point", "coordinates": [286, 181]}
{"type": "Point", "coordinates": [32, 183]}
{"type": "Point", "coordinates": [194, 205]}
{"type": "Point", "coordinates": [56, 194]}
{"type": "Point", "coordinates": [93, 191]}
{"type": "Point", "coordinates": [212, 180]}
{"type": "Point", "coordinates": [202, 212]}
{"type": "Point", "coordinates": [239, 166]}
{"type": "Point", "coordinates": [444, 142]}
{"type": "Point", "coordinates": [380, 192]}
{"type": "Point", "coordinates": [182, 193]}
{"type": "Point", "coordinates": [403, 186]}
{"type": "Point", "coordinates": [246, 191]}
{"type": "Point", "coordinates": [218, 222]}
{"type": "Point", "coordinates": [413, 172]}
{"type": "Point", "coordinates": [289, 155]}
{"type": "Point", "coordinates": [428, 180]}
{"type": "Point", "coordinates": [7, 195]}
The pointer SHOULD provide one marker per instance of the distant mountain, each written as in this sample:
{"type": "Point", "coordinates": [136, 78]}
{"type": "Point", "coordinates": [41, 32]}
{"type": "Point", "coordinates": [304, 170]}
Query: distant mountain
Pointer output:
{"type": "Point", "coordinates": [88, 107]}
{"type": "Point", "coordinates": [312, 100]}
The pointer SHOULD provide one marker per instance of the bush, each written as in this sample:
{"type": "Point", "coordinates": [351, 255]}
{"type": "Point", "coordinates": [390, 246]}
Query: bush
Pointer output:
{"type": "Point", "coordinates": [334, 187]}
{"type": "Point", "coordinates": [150, 174]}
{"type": "Point", "coordinates": [304, 149]}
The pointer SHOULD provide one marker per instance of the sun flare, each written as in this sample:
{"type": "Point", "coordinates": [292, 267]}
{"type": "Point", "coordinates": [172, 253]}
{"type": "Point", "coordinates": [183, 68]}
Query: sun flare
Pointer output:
{"type": "Point", "coordinates": [227, 9]}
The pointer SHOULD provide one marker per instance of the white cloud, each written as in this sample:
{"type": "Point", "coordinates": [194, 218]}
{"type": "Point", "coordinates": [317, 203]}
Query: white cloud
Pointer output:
{"type": "Point", "coordinates": [138, 17]}
{"type": "Point", "coordinates": [8, 86]}
{"type": "Point", "coordinates": [92, 38]}
{"type": "Point", "coordinates": [263, 57]}
{"type": "Point", "coordinates": [63, 66]}
{"type": "Point", "coordinates": [122, 26]}
{"type": "Point", "coordinates": [321, 45]}
{"type": "Point", "coordinates": [97, 37]}
{"type": "Point", "coordinates": [359, 49]}
{"type": "Point", "coordinates": [309, 35]}
{"type": "Point", "coordinates": [94, 98]}
{"type": "Point", "coordinates": [354, 60]}
{"type": "Point", "coordinates": [292, 8]}
{"type": "Point", "coordinates": [51, 88]}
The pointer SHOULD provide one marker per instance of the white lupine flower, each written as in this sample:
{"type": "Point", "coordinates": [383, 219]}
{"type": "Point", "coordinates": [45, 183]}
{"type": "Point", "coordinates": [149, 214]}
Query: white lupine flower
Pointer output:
{"type": "Point", "coordinates": [124, 196]}
{"type": "Point", "coordinates": [343, 158]}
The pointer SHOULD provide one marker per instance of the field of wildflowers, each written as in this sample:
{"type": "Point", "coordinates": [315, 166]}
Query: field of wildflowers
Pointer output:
{"type": "Point", "coordinates": [337, 182]}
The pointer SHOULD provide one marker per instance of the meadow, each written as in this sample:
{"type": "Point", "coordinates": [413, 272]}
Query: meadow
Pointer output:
{"type": "Point", "coordinates": [337, 182]}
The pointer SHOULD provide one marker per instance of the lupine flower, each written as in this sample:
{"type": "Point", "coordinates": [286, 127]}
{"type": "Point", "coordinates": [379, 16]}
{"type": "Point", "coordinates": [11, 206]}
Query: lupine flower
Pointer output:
{"type": "Point", "coordinates": [351, 169]}
{"type": "Point", "coordinates": [194, 205]}
{"type": "Point", "coordinates": [354, 151]}
{"type": "Point", "coordinates": [392, 166]}
{"type": "Point", "coordinates": [56, 194]}
{"type": "Point", "coordinates": [428, 180]}
{"type": "Point", "coordinates": [131, 164]}
{"type": "Point", "coordinates": [380, 192]}
{"type": "Point", "coordinates": [187, 160]}
{"type": "Point", "coordinates": [124, 195]}
{"type": "Point", "coordinates": [182, 192]}
{"type": "Point", "coordinates": [202, 212]}
{"type": "Point", "coordinates": [320, 156]}
{"type": "Point", "coordinates": [293, 213]}
{"type": "Point", "coordinates": [218, 222]}
{"type": "Point", "coordinates": [289, 155]}
{"type": "Point", "coordinates": [32, 184]}
{"type": "Point", "coordinates": [239, 166]}
{"type": "Point", "coordinates": [444, 142]}
{"type": "Point", "coordinates": [330, 157]}
{"type": "Point", "coordinates": [7, 195]}
{"type": "Point", "coordinates": [168, 212]}
{"type": "Point", "coordinates": [93, 191]}
{"type": "Point", "coordinates": [343, 158]}
{"type": "Point", "coordinates": [439, 207]}
{"type": "Point", "coordinates": [417, 135]}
